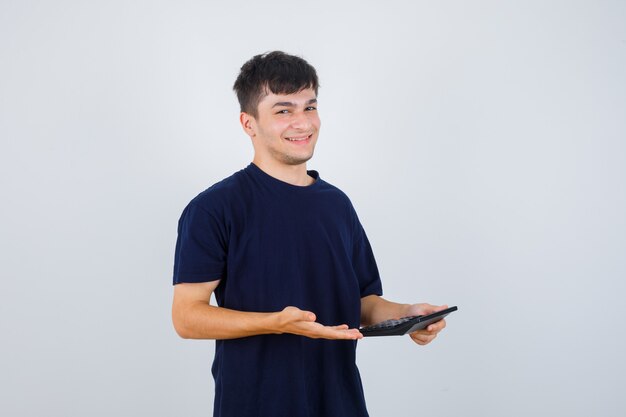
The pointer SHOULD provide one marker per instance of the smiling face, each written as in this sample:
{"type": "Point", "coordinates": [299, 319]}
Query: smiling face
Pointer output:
{"type": "Point", "coordinates": [285, 130]}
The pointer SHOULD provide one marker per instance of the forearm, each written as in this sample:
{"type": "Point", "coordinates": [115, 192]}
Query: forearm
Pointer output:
{"type": "Point", "coordinates": [375, 309]}
{"type": "Point", "coordinates": [203, 321]}
{"type": "Point", "coordinates": [200, 320]}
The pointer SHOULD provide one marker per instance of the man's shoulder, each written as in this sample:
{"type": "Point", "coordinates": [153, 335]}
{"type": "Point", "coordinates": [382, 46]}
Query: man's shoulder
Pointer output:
{"type": "Point", "coordinates": [219, 193]}
{"type": "Point", "coordinates": [335, 191]}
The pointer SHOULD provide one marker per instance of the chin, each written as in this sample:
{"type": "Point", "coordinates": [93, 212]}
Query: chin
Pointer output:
{"type": "Point", "coordinates": [297, 160]}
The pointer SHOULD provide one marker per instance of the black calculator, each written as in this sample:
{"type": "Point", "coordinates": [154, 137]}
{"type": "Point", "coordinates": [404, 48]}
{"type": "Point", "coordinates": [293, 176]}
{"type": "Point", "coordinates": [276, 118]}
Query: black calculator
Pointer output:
{"type": "Point", "coordinates": [404, 325]}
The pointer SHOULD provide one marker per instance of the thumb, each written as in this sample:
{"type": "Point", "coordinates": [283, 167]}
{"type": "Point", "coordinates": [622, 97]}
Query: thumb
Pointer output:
{"type": "Point", "coordinates": [308, 316]}
{"type": "Point", "coordinates": [435, 308]}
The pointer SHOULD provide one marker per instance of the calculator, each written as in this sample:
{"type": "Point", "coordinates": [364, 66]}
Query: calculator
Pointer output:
{"type": "Point", "coordinates": [399, 327]}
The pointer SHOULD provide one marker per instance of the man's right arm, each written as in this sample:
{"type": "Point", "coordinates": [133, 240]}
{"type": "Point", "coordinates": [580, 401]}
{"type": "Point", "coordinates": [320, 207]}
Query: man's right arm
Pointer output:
{"type": "Point", "coordinates": [195, 318]}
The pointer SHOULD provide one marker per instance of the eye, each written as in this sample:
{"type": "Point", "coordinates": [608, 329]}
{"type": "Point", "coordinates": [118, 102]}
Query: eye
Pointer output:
{"type": "Point", "coordinates": [311, 108]}
{"type": "Point", "coordinates": [284, 111]}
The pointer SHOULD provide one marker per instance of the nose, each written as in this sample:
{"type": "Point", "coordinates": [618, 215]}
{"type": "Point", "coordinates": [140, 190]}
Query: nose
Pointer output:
{"type": "Point", "coordinates": [301, 121]}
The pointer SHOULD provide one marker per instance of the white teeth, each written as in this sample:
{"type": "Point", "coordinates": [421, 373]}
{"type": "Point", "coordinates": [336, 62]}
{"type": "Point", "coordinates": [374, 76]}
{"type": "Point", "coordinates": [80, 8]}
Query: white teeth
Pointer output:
{"type": "Point", "coordinates": [297, 139]}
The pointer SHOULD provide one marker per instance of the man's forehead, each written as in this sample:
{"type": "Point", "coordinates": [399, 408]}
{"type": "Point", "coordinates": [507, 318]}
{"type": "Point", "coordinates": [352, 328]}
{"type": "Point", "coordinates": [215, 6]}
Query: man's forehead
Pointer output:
{"type": "Point", "coordinates": [306, 96]}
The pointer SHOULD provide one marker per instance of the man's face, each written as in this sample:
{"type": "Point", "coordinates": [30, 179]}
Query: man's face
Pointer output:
{"type": "Point", "coordinates": [286, 128]}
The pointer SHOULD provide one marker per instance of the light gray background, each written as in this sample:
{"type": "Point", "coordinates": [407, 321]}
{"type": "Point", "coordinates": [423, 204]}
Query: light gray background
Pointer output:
{"type": "Point", "coordinates": [482, 144]}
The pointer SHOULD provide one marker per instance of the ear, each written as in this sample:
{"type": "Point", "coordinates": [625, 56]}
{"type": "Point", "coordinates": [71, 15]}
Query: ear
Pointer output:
{"type": "Point", "coordinates": [248, 123]}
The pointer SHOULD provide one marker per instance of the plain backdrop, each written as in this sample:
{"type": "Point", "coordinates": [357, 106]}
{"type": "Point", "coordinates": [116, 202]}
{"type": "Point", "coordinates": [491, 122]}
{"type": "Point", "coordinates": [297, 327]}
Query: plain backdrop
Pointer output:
{"type": "Point", "coordinates": [482, 143]}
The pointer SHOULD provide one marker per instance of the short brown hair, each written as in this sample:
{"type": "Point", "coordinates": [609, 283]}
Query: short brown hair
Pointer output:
{"type": "Point", "coordinates": [273, 72]}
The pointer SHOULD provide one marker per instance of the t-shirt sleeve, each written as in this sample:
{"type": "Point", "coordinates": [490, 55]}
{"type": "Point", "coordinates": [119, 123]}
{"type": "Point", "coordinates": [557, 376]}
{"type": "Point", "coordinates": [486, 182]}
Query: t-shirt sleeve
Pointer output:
{"type": "Point", "coordinates": [364, 263]}
{"type": "Point", "coordinates": [201, 247]}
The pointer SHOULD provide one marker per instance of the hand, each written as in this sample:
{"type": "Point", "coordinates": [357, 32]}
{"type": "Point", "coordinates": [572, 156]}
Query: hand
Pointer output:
{"type": "Point", "coordinates": [295, 321]}
{"type": "Point", "coordinates": [425, 336]}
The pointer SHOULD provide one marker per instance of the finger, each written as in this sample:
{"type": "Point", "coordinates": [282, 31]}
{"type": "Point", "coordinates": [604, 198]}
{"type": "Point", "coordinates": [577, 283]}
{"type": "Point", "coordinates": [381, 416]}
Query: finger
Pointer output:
{"type": "Point", "coordinates": [426, 308]}
{"type": "Point", "coordinates": [343, 334]}
{"type": "Point", "coordinates": [437, 327]}
{"type": "Point", "coordinates": [346, 333]}
{"type": "Point", "coordinates": [428, 332]}
{"type": "Point", "coordinates": [417, 339]}
{"type": "Point", "coordinates": [340, 327]}
{"type": "Point", "coordinates": [422, 339]}
{"type": "Point", "coordinates": [357, 334]}
{"type": "Point", "coordinates": [434, 308]}
{"type": "Point", "coordinates": [421, 309]}
{"type": "Point", "coordinates": [425, 334]}
{"type": "Point", "coordinates": [295, 314]}
{"type": "Point", "coordinates": [308, 316]}
{"type": "Point", "coordinates": [430, 308]}
{"type": "Point", "coordinates": [316, 330]}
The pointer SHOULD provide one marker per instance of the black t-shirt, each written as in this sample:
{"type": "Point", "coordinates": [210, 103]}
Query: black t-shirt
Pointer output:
{"type": "Point", "coordinates": [273, 245]}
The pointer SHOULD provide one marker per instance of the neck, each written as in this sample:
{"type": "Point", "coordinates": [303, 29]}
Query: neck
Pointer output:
{"type": "Point", "coordinates": [291, 174]}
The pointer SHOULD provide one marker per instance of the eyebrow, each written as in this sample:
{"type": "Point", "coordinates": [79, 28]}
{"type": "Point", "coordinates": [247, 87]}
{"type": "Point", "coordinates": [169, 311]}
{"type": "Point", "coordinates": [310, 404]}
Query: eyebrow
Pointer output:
{"type": "Point", "coordinates": [290, 104]}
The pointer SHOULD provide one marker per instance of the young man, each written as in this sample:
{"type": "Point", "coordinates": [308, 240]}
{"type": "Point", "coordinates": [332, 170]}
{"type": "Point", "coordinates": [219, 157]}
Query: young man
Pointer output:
{"type": "Point", "coordinates": [291, 267]}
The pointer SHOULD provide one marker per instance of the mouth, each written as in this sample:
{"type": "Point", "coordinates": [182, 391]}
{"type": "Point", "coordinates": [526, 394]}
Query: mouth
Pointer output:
{"type": "Point", "coordinates": [300, 139]}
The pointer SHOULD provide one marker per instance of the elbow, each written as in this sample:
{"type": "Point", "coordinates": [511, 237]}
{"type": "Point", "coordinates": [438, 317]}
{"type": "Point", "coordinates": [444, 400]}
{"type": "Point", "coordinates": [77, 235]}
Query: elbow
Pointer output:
{"type": "Point", "coordinates": [182, 332]}
{"type": "Point", "coordinates": [181, 329]}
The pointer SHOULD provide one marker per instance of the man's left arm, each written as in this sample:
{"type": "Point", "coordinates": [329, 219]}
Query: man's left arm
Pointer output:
{"type": "Point", "coordinates": [375, 309]}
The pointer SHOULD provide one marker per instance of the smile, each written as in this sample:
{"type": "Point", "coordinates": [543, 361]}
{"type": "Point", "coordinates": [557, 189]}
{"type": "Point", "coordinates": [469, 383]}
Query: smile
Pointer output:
{"type": "Point", "coordinates": [299, 139]}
